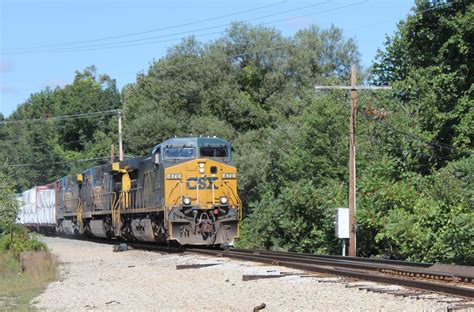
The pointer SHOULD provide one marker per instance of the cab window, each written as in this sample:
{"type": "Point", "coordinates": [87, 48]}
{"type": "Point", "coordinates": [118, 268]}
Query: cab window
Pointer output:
{"type": "Point", "coordinates": [179, 152]}
{"type": "Point", "coordinates": [213, 151]}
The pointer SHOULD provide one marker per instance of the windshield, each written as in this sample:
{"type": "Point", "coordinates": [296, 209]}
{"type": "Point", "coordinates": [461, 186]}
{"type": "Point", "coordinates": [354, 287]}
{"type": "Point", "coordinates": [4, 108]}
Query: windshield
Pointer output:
{"type": "Point", "coordinates": [179, 152]}
{"type": "Point", "coordinates": [213, 151]}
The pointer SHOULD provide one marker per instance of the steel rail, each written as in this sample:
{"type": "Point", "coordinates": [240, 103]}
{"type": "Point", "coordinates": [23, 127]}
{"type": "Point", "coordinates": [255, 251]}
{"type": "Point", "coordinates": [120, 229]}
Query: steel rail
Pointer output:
{"type": "Point", "coordinates": [353, 273]}
{"type": "Point", "coordinates": [355, 259]}
{"type": "Point", "coordinates": [390, 266]}
{"type": "Point", "coordinates": [354, 265]}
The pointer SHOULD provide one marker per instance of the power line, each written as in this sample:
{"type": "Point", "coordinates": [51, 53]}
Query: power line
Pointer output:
{"type": "Point", "coordinates": [120, 45]}
{"type": "Point", "coordinates": [54, 141]}
{"type": "Point", "coordinates": [415, 137]}
{"type": "Point", "coordinates": [62, 162]}
{"type": "Point", "coordinates": [394, 18]}
{"type": "Point", "coordinates": [57, 162]}
{"type": "Point", "coordinates": [429, 143]}
{"type": "Point", "coordinates": [62, 118]}
{"type": "Point", "coordinates": [268, 49]}
{"type": "Point", "coordinates": [113, 44]}
{"type": "Point", "coordinates": [148, 31]}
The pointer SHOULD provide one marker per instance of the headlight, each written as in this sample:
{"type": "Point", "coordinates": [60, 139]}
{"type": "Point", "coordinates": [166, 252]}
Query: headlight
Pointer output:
{"type": "Point", "coordinates": [187, 201]}
{"type": "Point", "coordinates": [223, 200]}
{"type": "Point", "coordinates": [201, 170]}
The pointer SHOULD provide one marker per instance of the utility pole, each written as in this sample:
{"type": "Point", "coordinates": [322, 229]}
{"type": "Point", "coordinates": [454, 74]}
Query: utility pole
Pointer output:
{"type": "Point", "coordinates": [352, 165]}
{"type": "Point", "coordinates": [352, 151]}
{"type": "Point", "coordinates": [112, 153]}
{"type": "Point", "coordinates": [119, 112]}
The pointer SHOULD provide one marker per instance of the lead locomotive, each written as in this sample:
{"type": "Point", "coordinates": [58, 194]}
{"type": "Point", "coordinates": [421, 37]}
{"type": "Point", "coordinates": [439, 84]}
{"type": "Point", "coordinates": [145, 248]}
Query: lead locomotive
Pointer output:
{"type": "Point", "coordinates": [184, 191]}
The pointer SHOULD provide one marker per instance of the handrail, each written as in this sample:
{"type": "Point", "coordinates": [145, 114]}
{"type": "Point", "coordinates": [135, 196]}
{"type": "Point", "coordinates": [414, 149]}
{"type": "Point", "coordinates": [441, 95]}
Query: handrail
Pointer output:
{"type": "Point", "coordinates": [238, 203]}
{"type": "Point", "coordinates": [100, 201]}
{"type": "Point", "coordinates": [174, 188]}
{"type": "Point", "coordinates": [116, 211]}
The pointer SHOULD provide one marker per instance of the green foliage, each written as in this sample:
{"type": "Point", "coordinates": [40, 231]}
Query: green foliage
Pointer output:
{"type": "Point", "coordinates": [300, 185]}
{"type": "Point", "coordinates": [20, 241]}
{"type": "Point", "coordinates": [8, 203]}
{"type": "Point", "coordinates": [40, 144]}
{"type": "Point", "coordinates": [421, 207]}
{"type": "Point", "coordinates": [300, 218]}
{"type": "Point", "coordinates": [429, 63]}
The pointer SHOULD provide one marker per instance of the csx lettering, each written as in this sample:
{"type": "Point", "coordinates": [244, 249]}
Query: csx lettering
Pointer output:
{"type": "Point", "coordinates": [203, 183]}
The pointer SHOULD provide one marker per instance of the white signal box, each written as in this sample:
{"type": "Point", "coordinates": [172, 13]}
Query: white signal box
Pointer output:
{"type": "Point", "coordinates": [342, 222]}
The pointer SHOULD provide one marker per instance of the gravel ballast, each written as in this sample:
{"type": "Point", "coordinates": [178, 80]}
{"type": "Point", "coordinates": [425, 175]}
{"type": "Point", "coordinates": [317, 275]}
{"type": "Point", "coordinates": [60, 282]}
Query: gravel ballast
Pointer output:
{"type": "Point", "coordinates": [92, 277]}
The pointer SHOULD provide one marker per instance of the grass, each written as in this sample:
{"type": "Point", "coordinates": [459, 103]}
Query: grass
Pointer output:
{"type": "Point", "coordinates": [23, 279]}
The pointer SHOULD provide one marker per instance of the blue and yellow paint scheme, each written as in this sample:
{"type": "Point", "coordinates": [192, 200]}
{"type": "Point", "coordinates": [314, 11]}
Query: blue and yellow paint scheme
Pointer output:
{"type": "Point", "coordinates": [200, 193]}
{"type": "Point", "coordinates": [184, 191]}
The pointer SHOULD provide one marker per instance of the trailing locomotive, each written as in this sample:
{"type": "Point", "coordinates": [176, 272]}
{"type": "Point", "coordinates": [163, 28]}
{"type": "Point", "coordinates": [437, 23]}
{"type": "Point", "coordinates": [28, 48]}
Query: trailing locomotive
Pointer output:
{"type": "Point", "coordinates": [184, 191]}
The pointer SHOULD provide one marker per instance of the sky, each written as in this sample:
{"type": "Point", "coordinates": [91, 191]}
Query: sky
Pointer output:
{"type": "Point", "coordinates": [43, 42]}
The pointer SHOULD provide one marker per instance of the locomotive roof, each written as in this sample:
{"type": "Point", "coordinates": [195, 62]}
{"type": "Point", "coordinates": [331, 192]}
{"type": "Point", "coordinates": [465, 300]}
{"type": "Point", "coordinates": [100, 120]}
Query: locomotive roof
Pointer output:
{"type": "Point", "coordinates": [193, 141]}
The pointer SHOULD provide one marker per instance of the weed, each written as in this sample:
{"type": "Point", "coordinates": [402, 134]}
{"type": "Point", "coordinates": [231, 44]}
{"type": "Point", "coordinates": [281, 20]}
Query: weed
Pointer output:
{"type": "Point", "coordinates": [23, 279]}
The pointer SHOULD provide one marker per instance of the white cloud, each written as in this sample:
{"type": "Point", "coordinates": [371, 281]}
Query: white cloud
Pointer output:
{"type": "Point", "coordinates": [5, 88]}
{"type": "Point", "coordinates": [5, 66]}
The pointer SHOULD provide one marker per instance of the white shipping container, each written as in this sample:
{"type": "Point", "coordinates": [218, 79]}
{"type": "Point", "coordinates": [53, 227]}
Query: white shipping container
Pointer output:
{"type": "Point", "coordinates": [45, 205]}
{"type": "Point", "coordinates": [28, 207]}
{"type": "Point", "coordinates": [38, 206]}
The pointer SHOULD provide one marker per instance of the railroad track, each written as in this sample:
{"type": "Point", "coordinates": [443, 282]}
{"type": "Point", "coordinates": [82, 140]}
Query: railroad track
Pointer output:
{"type": "Point", "coordinates": [405, 268]}
{"type": "Point", "coordinates": [409, 274]}
{"type": "Point", "coordinates": [418, 275]}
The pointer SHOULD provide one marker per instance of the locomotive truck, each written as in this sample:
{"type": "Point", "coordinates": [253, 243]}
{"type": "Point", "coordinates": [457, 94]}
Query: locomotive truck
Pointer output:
{"type": "Point", "coordinates": [184, 191]}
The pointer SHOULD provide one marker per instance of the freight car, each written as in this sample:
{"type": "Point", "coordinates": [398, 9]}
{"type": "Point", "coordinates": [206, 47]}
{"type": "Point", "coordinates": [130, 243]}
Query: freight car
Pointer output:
{"type": "Point", "coordinates": [185, 191]}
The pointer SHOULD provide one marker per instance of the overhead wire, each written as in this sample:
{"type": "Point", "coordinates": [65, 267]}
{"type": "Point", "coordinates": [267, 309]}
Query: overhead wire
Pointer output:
{"type": "Point", "coordinates": [414, 137]}
{"type": "Point", "coordinates": [57, 162]}
{"type": "Point", "coordinates": [119, 45]}
{"type": "Point", "coordinates": [281, 46]}
{"type": "Point", "coordinates": [151, 30]}
{"type": "Point", "coordinates": [431, 143]}
{"type": "Point", "coordinates": [64, 117]}
{"type": "Point", "coordinates": [104, 158]}
{"type": "Point", "coordinates": [80, 141]}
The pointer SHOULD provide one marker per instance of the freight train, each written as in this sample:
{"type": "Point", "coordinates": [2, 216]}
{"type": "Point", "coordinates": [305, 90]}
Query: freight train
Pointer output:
{"type": "Point", "coordinates": [184, 191]}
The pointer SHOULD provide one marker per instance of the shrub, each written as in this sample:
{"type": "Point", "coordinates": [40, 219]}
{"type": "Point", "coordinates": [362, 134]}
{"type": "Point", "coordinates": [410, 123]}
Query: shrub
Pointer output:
{"type": "Point", "coordinates": [21, 241]}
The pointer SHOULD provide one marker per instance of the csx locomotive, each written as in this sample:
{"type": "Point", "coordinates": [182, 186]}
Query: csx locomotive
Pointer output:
{"type": "Point", "coordinates": [185, 191]}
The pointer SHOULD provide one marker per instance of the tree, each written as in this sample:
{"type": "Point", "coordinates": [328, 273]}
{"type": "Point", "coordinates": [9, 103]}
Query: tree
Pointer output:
{"type": "Point", "coordinates": [429, 63]}
{"type": "Point", "coordinates": [36, 143]}
{"type": "Point", "coordinates": [8, 203]}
